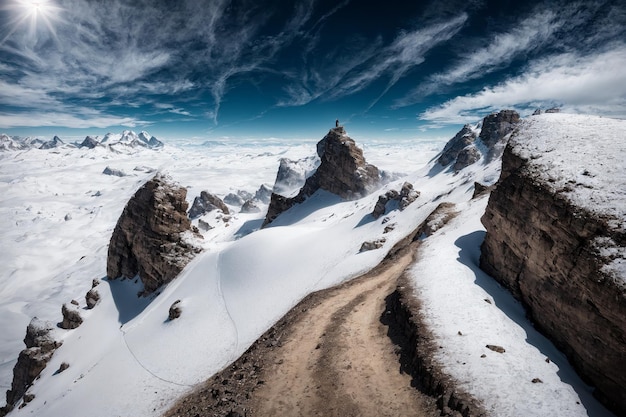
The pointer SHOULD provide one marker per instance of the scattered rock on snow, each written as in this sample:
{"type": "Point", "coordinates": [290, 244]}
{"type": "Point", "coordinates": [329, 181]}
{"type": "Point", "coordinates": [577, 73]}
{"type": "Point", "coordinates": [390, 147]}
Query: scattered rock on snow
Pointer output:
{"type": "Point", "coordinates": [71, 317]}
{"type": "Point", "coordinates": [114, 172]}
{"type": "Point", "coordinates": [91, 298]}
{"type": "Point", "coordinates": [175, 310]}
{"type": "Point", "coordinates": [372, 245]}
{"type": "Point", "coordinates": [496, 348]}
{"type": "Point", "coordinates": [204, 225]}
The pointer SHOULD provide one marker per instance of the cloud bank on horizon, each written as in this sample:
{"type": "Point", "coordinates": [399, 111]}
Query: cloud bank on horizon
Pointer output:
{"type": "Point", "coordinates": [245, 67]}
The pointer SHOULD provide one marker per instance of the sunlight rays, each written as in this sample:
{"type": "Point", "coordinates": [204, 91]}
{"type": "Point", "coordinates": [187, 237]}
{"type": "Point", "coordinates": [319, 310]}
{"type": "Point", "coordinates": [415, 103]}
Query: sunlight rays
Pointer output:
{"type": "Point", "coordinates": [36, 18]}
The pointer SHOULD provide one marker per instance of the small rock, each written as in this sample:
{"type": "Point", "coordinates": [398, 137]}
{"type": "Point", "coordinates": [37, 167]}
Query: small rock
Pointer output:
{"type": "Point", "coordinates": [74, 302]}
{"type": "Point", "coordinates": [547, 360]}
{"type": "Point", "coordinates": [487, 300]}
{"type": "Point", "coordinates": [28, 398]}
{"type": "Point", "coordinates": [537, 381]}
{"type": "Point", "coordinates": [175, 310]}
{"type": "Point", "coordinates": [459, 333]}
{"type": "Point", "coordinates": [496, 348]}
{"type": "Point", "coordinates": [63, 367]}
{"type": "Point", "coordinates": [68, 217]}
{"type": "Point", "coordinates": [95, 282]}
{"type": "Point", "coordinates": [483, 356]}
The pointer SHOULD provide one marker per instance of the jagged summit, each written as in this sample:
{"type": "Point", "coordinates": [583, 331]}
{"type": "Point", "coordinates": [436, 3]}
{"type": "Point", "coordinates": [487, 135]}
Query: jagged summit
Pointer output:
{"type": "Point", "coordinates": [113, 141]}
{"type": "Point", "coordinates": [343, 171]}
{"type": "Point", "coordinates": [468, 146]}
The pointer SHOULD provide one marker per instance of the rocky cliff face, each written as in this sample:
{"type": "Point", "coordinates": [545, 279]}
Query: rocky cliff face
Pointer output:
{"type": "Point", "coordinates": [465, 148]}
{"type": "Point", "coordinates": [343, 171]}
{"type": "Point", "coordinates": [561, 257]}
{"type": "Point", "coordinates": [40, 346]}
{"type": "Point", "coordinates": [149, 238]}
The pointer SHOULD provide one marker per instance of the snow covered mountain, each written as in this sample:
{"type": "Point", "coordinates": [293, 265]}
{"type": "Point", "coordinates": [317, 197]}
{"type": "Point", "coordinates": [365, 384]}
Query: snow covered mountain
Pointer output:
{"type": "Point", "coordinates": [117, 142]}
{"type": "Point", "coordinates": [128, 358]}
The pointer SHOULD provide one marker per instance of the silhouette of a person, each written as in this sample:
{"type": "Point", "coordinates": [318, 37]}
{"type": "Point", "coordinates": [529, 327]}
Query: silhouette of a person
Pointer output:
{"type": "Point", "coordinates": [337, 123]}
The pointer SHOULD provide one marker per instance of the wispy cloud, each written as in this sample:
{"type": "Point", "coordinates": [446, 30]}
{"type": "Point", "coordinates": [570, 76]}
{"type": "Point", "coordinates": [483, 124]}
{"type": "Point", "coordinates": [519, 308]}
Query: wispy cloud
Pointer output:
{"type": "Point", "coordinates": [347, 72]}
{"type": "Point", "coordinates": [531, 33]}
{"type": "Point", "coordinates": [593, 83]}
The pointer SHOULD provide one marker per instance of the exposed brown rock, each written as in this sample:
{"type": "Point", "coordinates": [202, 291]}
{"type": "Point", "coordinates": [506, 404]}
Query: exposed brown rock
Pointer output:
{"type": "Point", "coordinates": [148, 239]}
{"type": "Point", "coordinates": [546, 251]}
{"type": "Point", "coordinates": [91, 298]}
{"type": "Point", "coordinates": [496, 129]}
{"type": "Point", "coordinates": [40, 347]}
{"type": "Point", "coordinates": [462, 139]}
{"type": "Point", "coordinates": [404, 197]}
{"type": "Point", "coordinates": [71, 317]}
{"type": "Point", "coordinates": [496, 348]}
{"type": "Point", "coordinates": [175, 311]}
{"type": "Point", "coordinates": [343, 171]}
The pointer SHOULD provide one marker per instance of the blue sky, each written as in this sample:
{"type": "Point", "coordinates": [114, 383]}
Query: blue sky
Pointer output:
{"type": "Point", "coordinates": [218, 68]}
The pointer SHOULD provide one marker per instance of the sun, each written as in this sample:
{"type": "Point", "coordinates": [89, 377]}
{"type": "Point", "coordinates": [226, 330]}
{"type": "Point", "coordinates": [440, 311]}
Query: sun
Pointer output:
{"type": "Point", "coordinates": [37, 17]}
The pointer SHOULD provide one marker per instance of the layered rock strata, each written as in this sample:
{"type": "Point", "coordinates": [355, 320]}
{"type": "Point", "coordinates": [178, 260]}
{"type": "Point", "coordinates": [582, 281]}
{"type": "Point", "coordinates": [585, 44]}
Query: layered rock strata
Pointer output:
{"type": "Point", "coordinates": [343, 171]}
{"type": "Point", "coordinates": [149, 239]}
{"type": "Point", "coordinates": [563, 256]}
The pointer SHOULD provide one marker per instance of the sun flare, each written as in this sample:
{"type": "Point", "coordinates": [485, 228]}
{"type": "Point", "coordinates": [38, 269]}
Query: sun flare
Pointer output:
{"type": "Point", "coordinates": [37, 17]}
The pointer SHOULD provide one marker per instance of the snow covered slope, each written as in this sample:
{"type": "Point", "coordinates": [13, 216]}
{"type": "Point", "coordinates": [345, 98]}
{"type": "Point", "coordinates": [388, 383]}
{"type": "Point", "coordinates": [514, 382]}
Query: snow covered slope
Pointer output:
{"type": "Point", "coordinates": [127, 358]}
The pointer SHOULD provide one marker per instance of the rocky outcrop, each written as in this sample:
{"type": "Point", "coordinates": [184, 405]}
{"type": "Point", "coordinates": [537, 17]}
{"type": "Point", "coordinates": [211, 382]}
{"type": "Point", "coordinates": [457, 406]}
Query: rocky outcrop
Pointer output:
{"type": "Point", "coordinates": [89, 143]}
{"type": "Point", "coordinates": [71, 317]}
{"type": "Point", "coordinates": [343, 171]}
{"type": "Point", "coordinates": [40, 347]}
{"type": "Point", "coordinates": [250, 206]}
{"type": "Point", "coordinates": [465, 148]}
{"type": "Point", "coordinates": [406, 196]}
{"type": "Point", "coordinates": [559, 259]}
{"type": "Point", "coordinates": [495, 131]}
{"type": "Point", "coordinates": [465, 137]}
{"type": "Point", "coordinates": [149, 239]}
{"type": "Point", "coordinates": [206, 203]}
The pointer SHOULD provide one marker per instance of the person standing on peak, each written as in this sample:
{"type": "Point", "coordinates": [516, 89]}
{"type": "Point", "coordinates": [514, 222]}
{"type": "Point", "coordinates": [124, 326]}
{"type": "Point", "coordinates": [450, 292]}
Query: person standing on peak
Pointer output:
{"type": "Point", "coordinates": [337, 123]}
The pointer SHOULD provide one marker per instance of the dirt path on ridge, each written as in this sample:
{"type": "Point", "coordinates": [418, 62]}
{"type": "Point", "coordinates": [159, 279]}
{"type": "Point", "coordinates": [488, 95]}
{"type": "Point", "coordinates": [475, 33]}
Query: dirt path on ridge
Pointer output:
{"type": "Point", "coordinates": [329, 356]}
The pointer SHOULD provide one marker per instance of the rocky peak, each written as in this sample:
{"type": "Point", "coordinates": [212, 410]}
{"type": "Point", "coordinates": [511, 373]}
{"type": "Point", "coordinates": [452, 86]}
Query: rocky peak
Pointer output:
{"type": "Point", "coordinates": [89, 142]}
{"type": "Point", "coordinates": [54, 143]}
{"type": "Point", "coordinates": [342, 171]}
{"type": "Point", "coordinates": [462, 149]}
{"type": "Point", "coordinates": [498, 125]}
{"type": "Point", "coordinates": [149, 238]}
{"type": "Point", "coordinates": [206, 203]}
{"type": "Point", "coordinates": [466, 136]}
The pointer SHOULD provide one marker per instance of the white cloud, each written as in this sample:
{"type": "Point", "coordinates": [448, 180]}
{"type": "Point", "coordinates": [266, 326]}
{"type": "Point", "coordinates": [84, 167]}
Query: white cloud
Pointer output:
{"type": "Point", "coordinates": [63, 119]}
{"type": "Point", "coordinates": [592, 83]}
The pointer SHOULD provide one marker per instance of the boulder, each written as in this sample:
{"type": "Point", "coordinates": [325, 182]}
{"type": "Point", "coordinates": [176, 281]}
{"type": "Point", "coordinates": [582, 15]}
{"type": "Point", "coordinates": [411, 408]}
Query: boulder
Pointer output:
{"type": "Point", "coordinates": [91, 298]}
{"type": "Point", "coordinates": [234, 199]}
{"type": "Point", "coordinates": [71, 317]}
{"type": "Point", "coordinates": [206, 203]}
{"type": "Point", "coordinates": [149, 239]}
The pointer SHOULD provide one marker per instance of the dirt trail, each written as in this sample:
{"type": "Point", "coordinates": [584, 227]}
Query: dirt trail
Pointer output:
{"type": "Point", "coordinates": [329, 356]}
{"type": "Point", "coordinates": [338, 361]}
